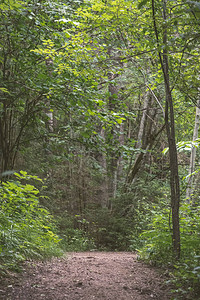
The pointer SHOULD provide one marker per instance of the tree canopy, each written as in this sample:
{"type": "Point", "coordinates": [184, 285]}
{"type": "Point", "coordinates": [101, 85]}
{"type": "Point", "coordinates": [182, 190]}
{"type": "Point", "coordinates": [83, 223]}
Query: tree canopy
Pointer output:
{"type": "Point", "coordinates": [98, 99]}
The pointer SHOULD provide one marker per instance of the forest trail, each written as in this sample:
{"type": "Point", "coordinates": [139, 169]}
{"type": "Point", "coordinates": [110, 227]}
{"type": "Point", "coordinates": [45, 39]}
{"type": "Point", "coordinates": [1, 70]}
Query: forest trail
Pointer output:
{"type": "Point", "coordinates": [87, 276]}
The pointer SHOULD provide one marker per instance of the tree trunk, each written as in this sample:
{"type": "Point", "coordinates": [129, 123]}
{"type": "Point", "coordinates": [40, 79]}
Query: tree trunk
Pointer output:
{"type": "Point", "coordinates": [48, 111]}
{"type": "Point", "coordinates": [104, 185]}
{"type": "Point", "coordinates": [135, 168]}
{"type": "Point", "coordinates": [143, 119]}
{"type": "Point", "coordinates": [170, 128]}
{"type": "Point", "coordinates": [190, 188]}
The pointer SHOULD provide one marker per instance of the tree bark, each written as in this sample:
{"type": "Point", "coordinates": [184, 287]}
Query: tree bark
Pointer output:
{"type": "Point", "coordinates": [104, 185]}
{"type": "Point", "coordinates": [170, 129]}
{"type": "Point", "coordinates": [143, 119]}
{"type": "Point", "coordinates": [48, 111]}
{"type": "Point", "coordinates": [135, 168]}
{"type": "Point", "coordinates": [190, 187]}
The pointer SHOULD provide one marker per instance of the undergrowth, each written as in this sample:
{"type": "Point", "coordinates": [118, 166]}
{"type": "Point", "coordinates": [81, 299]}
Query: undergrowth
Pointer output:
{"type": "Point", "coordinates": [157, 249]}
{"type": "Point", "coordinates": [26, 229]}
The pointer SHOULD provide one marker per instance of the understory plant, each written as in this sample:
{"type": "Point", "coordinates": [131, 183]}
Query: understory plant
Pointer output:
{"type": "Point", "coordinates": [27, 230]}
{"type": "Point", "coordinates": [157, 246]}
{"type": "Point", "coordinates": [77, 240]}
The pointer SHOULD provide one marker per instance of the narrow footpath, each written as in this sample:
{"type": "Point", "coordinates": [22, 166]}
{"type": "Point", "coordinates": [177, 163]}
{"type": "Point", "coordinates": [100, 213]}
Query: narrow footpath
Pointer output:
{"type": "Point", "coordinates": [87, 276]}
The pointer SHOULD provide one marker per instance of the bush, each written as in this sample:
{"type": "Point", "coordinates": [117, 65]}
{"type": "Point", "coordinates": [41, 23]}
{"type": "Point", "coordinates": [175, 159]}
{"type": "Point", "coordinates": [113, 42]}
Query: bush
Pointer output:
{"type": "Point", "coordinates": [77, 240]}
{"type": "Point", "coordinates": [118, 229]}
{"type": "Point", "coordinates": [26, 229]}
{"type": "Point", "coordinates": [158, 245]}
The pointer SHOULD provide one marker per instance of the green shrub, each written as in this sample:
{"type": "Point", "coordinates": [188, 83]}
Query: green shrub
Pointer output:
{"type": "Point", "coordinates": [118, 229]}
{"type": "Point", "coordinates": [77, 240]}
{"type": "Point", "coordinates": [26, 229]}
{"type": "Point", "coordinates": [157, 246]}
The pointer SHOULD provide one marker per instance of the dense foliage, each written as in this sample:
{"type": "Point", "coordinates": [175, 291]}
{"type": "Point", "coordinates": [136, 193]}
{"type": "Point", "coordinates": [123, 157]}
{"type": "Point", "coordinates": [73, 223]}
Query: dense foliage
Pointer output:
{"type": "Point", "coordinates": [157, 247]}
{"type": "Point", "coordinates": [92, 92]}
{"type": "Point", "coordinates": [26, 228]}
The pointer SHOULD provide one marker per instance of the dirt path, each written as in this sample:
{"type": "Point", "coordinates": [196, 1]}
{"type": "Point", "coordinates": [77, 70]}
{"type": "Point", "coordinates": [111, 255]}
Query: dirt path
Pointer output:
{"type": "Point", "coordinates": [88, 276]}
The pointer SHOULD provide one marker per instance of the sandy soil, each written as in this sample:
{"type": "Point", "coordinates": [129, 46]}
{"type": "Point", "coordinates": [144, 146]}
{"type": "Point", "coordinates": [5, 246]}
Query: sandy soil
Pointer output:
{"type": "Point", "coordinates": [87, 276]}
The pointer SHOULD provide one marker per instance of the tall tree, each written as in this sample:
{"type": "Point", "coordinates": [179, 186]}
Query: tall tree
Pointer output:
{"type": "Point", "coordinates": [26, 82]}
{"type": "Point", "coordinates": [159, 50]}
{"type": "Point", "coordinates": [170, 127]}
{"type": "Point", "coordinates": [190, 182]}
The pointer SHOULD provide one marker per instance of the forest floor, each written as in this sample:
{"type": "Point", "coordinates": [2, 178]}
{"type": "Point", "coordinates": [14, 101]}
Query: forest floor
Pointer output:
{"type": "Point", "coordinates": [87, 276]}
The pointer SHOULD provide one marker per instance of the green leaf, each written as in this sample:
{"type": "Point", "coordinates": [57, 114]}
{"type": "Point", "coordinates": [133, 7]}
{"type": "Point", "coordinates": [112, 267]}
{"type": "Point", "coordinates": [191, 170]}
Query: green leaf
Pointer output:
{"type": "Point", "coordinates": [142, 3]}
{"type": "Point", "coordinates": [165, 150]}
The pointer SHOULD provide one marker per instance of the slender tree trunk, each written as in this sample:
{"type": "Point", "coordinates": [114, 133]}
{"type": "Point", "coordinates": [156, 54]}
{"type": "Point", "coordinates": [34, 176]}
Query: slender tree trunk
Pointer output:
{"type": "Point", "coordinates": [145, 140]}
{"type": "Point", "coordinates": [170, 128]}
{"type": "Point", "coordinates": [136, 166]}
{"type": "Point", "coordinates": [49, 112]}
{"type": "Point", "coordinates": [8, 140]}
{"type": "Point", "coordinates": [120, 159]}
{"type": "Point", "coordinates": [190, 188]}
{"type": "Point", "coordinates": [104, 186]}
{"type": "Point", "coordinates": [143, 119]}
{"type": "Point", "coordinates": [113, 157]}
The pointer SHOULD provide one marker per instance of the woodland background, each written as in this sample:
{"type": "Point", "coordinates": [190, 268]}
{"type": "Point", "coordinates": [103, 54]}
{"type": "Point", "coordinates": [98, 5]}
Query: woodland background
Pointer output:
{"type": "Point", "coordinates": [99, 118]}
